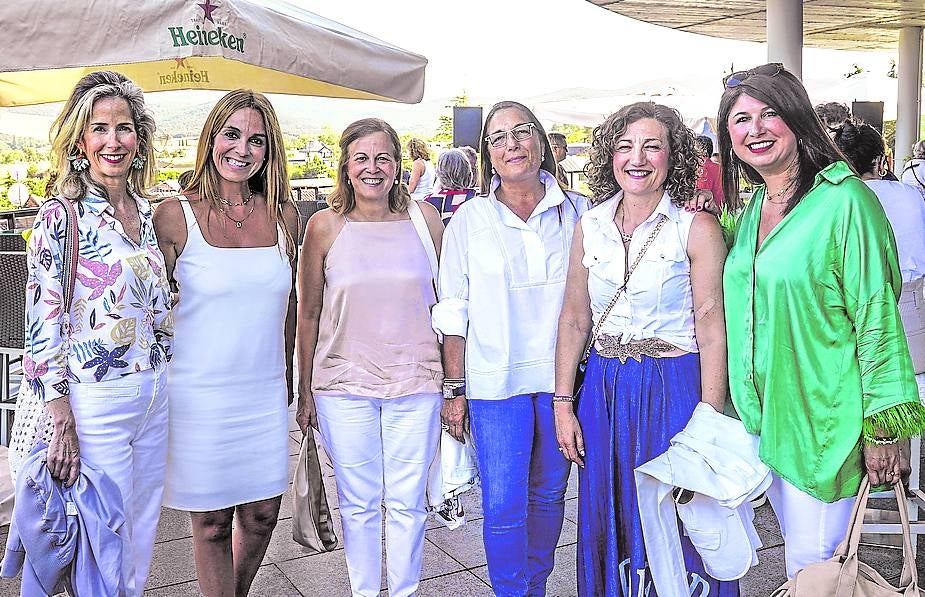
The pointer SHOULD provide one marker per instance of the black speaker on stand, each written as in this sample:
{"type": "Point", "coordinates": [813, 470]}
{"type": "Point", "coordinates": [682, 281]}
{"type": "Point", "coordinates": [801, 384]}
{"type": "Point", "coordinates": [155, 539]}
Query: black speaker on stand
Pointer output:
{"type": "Point", "coordinates": [870, 113]}
{"type": "Point", "coordinates": [467, 126]}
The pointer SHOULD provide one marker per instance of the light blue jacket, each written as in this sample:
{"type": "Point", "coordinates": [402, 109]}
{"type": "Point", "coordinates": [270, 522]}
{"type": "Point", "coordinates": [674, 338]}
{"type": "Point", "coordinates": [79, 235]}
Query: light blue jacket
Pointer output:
{"type": "Point", "coordinates": [65, 537]}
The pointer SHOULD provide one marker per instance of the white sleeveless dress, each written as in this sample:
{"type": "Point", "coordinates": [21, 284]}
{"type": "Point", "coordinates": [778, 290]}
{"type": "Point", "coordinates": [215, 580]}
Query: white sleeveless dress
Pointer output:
{"type": "Point", "coordinates": [228, 438]}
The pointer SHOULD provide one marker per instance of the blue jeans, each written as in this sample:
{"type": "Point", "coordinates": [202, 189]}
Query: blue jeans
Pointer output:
{"type": "Point", "coordinates": [523, 490]}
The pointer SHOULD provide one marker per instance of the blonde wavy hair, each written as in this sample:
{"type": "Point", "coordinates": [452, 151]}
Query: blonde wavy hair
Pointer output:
{"type": "Point", "coordinates": [68, 129]}
{"type": "Point", "coordinates": [271, 180]}
{"type": "Point", "coordinates": [683, 158]}
{"type": "Point", "coordinates": [342, 199]}
{"type": "Point", "coordinates": [418, 150]}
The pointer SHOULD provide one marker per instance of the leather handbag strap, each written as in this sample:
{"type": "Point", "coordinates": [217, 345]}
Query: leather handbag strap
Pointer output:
{"type": "Point", "coordinates": [69, 251]}
{"type": "Point", "coordinates": [626, 278]}
{"type": "Point", "coordinates": [420, 226]}
{"type": "Point", "coordinates": [848, 548]}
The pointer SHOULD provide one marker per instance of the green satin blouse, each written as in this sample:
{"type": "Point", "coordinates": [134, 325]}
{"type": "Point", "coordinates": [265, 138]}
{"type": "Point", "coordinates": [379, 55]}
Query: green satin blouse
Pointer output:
{"type": "Point", "coordinates": [815, 340]}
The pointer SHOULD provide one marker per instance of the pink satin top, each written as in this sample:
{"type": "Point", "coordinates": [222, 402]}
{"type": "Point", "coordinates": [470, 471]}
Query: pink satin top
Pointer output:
{"type": "Point", "coordinates": [374, 335]}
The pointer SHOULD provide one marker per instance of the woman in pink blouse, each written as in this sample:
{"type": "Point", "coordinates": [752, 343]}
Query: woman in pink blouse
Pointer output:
{"type": "Point", "coordinates": [100, 366]}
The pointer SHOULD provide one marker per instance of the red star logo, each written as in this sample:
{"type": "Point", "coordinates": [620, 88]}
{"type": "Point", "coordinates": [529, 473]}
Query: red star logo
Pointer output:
{"type": "Point", "coordinates": [207, 8]}
{"type": "Point", "coordinates": [181, 63]}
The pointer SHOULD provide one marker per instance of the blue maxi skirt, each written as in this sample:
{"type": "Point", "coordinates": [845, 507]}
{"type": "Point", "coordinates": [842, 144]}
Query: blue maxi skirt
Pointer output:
{"type": "Point", "coordinates": [628, 413]}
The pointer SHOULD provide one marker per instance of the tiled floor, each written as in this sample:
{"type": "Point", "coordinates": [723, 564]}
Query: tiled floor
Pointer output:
{"type": "Point", "coordinates": [454, 561]}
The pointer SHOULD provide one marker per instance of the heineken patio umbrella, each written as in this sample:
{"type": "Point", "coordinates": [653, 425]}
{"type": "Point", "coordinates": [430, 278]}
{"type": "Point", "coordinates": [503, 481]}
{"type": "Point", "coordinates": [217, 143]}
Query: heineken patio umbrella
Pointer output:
{"type": "Point", "coordinates": [265, 45]}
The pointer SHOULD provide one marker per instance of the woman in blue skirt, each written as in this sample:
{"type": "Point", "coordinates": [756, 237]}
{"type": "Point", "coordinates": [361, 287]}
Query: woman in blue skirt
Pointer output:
{"type": "Point", "coordinates": [644, 289]}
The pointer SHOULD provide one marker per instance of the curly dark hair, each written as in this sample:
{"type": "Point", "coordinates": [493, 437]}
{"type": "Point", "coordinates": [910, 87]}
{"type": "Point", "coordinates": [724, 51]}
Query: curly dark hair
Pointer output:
{"type": "Point", "coordinates": [861, 144]}
{"type": "Point", "coordinates": [683, 159]}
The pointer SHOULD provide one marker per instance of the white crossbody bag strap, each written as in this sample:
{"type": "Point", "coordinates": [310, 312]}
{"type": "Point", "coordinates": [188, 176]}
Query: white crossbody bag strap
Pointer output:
{"type": "Point", "coordinates": [420, 225]}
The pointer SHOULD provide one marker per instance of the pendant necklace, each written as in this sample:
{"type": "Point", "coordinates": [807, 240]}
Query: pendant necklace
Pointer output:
{"type": "Point", "coordinates": [627, 238]}
{"type": "Point", "coordinates": [238, 223]}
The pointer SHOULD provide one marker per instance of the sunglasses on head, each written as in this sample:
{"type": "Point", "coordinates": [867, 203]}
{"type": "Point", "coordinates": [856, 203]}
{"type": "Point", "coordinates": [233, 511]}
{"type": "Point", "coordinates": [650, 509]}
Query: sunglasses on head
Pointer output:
{"type": "Point", "coordinates": [739, 77]}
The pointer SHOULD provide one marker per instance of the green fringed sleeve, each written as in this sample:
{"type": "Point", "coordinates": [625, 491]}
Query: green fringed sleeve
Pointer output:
{"type": "Point", "coordinates": [900, 421]}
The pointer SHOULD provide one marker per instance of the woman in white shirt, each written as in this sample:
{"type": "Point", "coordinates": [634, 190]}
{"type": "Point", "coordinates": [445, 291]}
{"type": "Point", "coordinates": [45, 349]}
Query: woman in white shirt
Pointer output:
{"type": "Point", "coordinates": [914, 170]}
{"type": "Point", "coordinates": [645, 284]}
{"type": "Point", "coordinates": [905, 210]}
{"type": "Point", "coordinates": [502, 279]}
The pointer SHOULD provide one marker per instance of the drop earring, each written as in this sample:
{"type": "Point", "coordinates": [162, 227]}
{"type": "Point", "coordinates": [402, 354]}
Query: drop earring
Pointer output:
{"type": "Point", "coordinates": [79, 162]}
{"type": "Point", "coordinates": [138, 162]}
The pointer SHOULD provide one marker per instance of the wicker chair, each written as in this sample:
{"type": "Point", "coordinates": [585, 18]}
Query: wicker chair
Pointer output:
{"type": "Point", "coordinates": [306, 210]}
{"type": "Point", "coordinates": [12, 242]}
{"type": "Point", "coordinates": [12, 333]}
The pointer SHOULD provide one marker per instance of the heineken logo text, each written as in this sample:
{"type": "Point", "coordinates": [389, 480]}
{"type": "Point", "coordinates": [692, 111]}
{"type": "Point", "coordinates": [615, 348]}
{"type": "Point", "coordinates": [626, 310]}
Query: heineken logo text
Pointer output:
{"type": "Point", "coordinates": [206, 37]}
{"type": "Point", "coordinates": [189, 76]}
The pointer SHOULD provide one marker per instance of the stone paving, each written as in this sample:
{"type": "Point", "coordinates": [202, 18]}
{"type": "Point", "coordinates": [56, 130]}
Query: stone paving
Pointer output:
{"type": "Point", "coordinates": [454, 561]}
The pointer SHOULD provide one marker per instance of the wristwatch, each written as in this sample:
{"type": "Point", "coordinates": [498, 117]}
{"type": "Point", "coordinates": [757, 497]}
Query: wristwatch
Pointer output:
{"type": "Point", "coordinates": [450, 393]}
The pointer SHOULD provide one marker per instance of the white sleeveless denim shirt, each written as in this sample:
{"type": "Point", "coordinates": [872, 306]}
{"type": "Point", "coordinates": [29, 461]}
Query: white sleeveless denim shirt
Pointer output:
{"type": "Point", "coordinates": [658, 302]}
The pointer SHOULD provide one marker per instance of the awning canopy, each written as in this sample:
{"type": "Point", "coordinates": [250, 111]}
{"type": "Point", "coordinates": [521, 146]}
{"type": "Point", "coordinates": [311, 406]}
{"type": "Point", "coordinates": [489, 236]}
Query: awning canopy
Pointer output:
{"type": "Point", "coordinates": [266, 45]}
{"type": "Point", "coordinates": [833, 24]}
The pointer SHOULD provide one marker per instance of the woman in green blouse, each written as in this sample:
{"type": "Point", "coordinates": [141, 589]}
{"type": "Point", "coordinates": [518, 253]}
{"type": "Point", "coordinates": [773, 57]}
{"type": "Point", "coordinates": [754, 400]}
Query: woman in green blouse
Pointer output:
{"type": "Point", "coordinates": [818, 362]}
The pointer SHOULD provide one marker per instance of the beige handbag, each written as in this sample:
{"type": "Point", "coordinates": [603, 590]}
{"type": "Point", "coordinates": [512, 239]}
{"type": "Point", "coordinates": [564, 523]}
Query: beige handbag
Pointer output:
{"type": "Point", "coordinates": [312, 525]}
{"type": "Point", "coordinates": [844, 575]}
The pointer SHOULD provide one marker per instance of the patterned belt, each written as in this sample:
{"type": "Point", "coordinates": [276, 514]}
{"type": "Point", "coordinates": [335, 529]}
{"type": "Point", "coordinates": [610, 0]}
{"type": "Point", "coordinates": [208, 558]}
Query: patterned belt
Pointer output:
{"type": "Point", "coordinates": [611, 348]}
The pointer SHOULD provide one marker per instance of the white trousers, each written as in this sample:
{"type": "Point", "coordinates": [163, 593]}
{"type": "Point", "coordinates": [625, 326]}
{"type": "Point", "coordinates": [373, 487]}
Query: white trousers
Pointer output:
{"type": "Point", "coordinates": [811, 528]}
{"type": "Point", "coordinates": [381, 450]}
{"type": "Point", "coordinates": [122, 429]}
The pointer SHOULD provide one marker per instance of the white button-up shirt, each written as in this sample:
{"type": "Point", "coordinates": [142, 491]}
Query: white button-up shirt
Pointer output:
{"type": "Point", "coordinates": [658, 301]}
{"type": "Point", "coordinates": [502, 282]}
{"type": "Point", "coordinates": [905, 209]}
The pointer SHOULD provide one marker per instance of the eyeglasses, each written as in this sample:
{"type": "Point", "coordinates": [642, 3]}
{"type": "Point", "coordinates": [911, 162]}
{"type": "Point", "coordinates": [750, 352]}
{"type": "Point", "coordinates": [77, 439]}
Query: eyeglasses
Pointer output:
{"type": "Point", "coordinates": [521, 132]}
{"type": "Point", "coordinates": [739, 77]}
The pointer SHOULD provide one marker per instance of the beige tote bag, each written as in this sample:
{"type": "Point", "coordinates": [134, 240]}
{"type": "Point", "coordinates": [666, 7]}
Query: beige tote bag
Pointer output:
{"type": "Point", "coordinates": [312, 525]}
{"type": "Point", "coordinates": [844, 575]}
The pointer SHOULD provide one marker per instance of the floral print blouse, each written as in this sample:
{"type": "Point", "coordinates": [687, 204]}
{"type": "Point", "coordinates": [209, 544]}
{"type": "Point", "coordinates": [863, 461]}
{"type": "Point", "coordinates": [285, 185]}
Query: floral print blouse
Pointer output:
{"type": "Point", "coordinates": [120, 319]}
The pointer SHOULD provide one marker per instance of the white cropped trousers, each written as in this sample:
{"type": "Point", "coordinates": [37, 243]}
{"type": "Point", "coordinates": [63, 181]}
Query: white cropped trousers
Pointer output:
{"type": "Point", "coordinates": [381, 450]}
{"type": "Point", "coordinates": [122, 430]}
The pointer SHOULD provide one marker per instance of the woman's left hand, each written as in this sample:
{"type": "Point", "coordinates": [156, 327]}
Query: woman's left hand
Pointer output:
{"type": "Point", "coordinates": [701, 201]}
{"type": "Point", "coordinates": [883, 464]}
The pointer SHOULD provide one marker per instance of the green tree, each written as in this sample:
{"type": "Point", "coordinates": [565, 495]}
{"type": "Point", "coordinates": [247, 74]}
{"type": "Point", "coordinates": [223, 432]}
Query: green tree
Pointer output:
{"type": "Point", "coordinates": [573, 132]}
{"type": "Point", "coordinates": [445, 122]}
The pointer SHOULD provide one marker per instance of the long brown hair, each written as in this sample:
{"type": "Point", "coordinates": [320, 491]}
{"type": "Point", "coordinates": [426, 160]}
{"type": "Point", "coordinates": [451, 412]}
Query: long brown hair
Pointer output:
{"type": "Point", "coordinates": [549, 160]}
{"type": "Point", "coordinates": [786, 95]}
{"type": "Point", "coordinates": [272, 179]}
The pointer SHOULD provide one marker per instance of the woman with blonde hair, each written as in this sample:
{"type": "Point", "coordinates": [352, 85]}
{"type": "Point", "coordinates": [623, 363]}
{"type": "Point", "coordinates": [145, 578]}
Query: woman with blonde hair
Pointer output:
{"type": "Point", "coordinates": [100, 367]}
{"type": "Point", "coordinates": [369, 362]}
{"type": "Point", "coordinates": [228, 244]}
{"type": "Point", "coordinates": [421, 183]}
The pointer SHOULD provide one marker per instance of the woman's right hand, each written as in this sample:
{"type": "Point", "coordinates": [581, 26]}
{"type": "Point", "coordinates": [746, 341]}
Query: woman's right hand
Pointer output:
{"type": "Point", "coordinates": [63, 460]}
{"type": "Point", "coordinates": [305, 415]}
{"type": "Point", "coordinates": [568, 433]}
{"type": "Point", "coordinates": [454, 416]}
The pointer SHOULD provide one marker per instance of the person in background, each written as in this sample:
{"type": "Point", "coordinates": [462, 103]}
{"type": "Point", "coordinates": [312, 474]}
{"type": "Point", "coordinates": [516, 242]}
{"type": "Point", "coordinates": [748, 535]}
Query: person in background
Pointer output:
{"type": "Point", "coordinates": [369, 361]}
{"type": "Point", "coordinates": [832, 115]}
{"type": "Point", "coordinates": [421, 181]}
{"type": "Point", "coordinates": [502, 279]}
{"type": "Point", "coordinates": [914, 170]}
{"type": "Point", "coordinates": [473, 158]}
{"type": "Point", "coordinates": [102, 374]}
{"type": "Point", "coordinates": [661, 348]}
{"type": "Point", "coordinates": [454, 183]}
{"type": "Point", "coordinates": [818, 361]}
{"type": "Point", "coordinates": [905, 210]}
{"type": "Point", "coordinates": [228, 242]}
{"type": "Point", "coordinates": [710, 176]}
{"type": "Point", "coordinates": [560, 150]}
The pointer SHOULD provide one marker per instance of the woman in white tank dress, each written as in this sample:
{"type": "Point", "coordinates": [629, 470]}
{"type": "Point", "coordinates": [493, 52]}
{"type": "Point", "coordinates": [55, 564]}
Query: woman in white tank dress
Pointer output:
{"type": "Point", "coordinates": [230, 251]}
{"type": "Point", "coordinates": [423, 175]}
